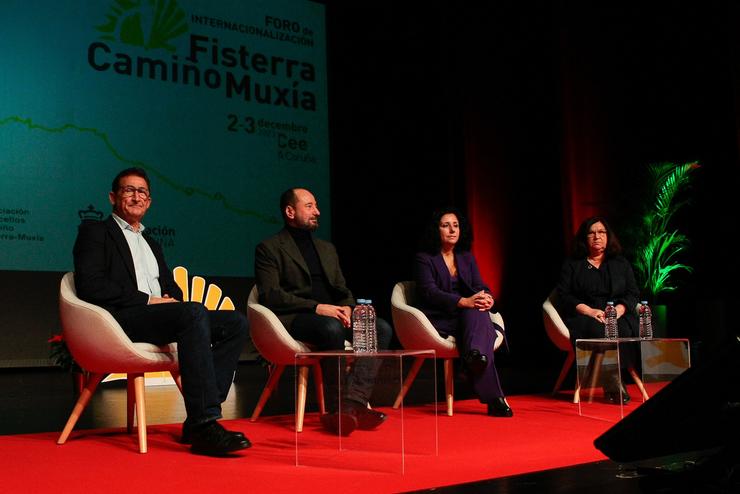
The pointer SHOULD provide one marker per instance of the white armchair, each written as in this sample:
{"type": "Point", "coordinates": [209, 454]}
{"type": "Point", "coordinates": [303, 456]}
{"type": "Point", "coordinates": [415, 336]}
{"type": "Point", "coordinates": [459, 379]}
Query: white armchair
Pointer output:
{"type": "Point", "coordinates": [416, 332]}
{"type": "Point", "coordinates": [100, 346]}
{"type": "Point", "coordinates": [559, 334]}
{"type": "Point", "coordinates": [279, 348]}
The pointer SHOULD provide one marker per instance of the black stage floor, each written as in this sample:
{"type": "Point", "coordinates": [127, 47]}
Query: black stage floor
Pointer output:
{"type": "Point", "coordinates": [39, 400]}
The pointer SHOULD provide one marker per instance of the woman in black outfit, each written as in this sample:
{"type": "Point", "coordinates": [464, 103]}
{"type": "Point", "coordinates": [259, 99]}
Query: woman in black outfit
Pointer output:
{"type": "Point", "coordinates": [595, 274]}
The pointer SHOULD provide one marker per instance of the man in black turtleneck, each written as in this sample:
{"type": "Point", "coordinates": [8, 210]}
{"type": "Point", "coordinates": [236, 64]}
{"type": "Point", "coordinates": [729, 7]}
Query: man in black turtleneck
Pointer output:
{"type": "Point", "coordinates": [299, 278]}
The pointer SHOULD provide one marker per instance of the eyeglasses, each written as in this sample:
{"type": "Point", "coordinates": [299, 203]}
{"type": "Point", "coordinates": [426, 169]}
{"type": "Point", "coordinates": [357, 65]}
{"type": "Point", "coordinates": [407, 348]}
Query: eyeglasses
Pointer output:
{"type": "Point", "coordinates": [129, 191]}
{"type": "Point", "coordinates": [597, 233]}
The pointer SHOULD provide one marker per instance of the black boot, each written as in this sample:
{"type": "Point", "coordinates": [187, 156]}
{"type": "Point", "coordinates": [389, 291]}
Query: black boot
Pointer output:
{"type": "Point", "coordinates": [499, 408]}
{"type": "Point", "coordinates": [612, 387]}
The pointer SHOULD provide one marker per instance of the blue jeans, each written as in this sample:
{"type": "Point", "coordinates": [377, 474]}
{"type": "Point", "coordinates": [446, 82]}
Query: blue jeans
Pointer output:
{"type": "Point", "coordinates": [208, 347]}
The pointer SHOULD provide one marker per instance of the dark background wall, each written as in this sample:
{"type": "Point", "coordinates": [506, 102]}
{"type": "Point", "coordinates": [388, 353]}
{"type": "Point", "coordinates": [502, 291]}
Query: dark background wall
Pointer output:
{"type": "Point", "coordinates": [542, 112]}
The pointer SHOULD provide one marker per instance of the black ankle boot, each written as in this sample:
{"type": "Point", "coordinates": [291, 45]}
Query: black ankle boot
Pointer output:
{"type": "Point", "coordinates": [612, 387]}
{"type": "Point", "coordinates": [499, 408]}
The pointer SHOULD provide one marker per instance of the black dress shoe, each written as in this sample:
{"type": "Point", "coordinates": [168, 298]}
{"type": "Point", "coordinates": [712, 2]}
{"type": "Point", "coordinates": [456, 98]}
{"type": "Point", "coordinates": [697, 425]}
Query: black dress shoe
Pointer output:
{"type": "Point", "coordinates": [186, 437]}
{"type": "Point", "coordinates": [611, 390]}
{"type": "Point", "coordinates": [475, 363]}
{"type": "Point", "coordinates": [213, 440]}
{"type": "Point", "coordinates": [613, 397]}
{"type": "Point", "coordinates": [367, 419]}
{"type": "Point", "coordinates": [339, 423]}
{"type": "Point", "coordinates": [499, 408]}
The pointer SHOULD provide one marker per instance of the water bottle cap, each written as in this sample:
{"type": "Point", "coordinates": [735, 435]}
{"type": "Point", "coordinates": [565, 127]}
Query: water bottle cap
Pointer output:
{"type": "Point", "coordinates": [644, 302]}
{"type": "Point", "coordinates": [360, 301]}
{"type": "Point", "coordinates": [610, 303]}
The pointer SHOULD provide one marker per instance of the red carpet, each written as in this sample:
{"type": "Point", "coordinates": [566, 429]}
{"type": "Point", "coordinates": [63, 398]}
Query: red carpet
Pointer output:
{"type": "Point", "coordinates": [545, 433]}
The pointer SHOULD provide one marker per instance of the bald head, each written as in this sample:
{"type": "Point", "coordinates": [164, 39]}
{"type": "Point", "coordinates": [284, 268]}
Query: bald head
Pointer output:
{"type": "Point", "coordinates": [300, 209]}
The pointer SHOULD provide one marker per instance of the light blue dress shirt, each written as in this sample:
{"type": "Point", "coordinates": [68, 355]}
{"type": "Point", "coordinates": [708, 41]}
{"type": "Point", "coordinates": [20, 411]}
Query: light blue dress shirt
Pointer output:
{"type": "Point", "coordinates": [145, 264]}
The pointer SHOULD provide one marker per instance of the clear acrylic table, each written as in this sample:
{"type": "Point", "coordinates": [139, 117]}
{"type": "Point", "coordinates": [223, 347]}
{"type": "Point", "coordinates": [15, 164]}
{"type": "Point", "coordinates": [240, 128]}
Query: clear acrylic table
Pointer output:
{"type": "Point", "coordinates": [602, 365]}
{"type": "Point", "coordinates": [405, 433]}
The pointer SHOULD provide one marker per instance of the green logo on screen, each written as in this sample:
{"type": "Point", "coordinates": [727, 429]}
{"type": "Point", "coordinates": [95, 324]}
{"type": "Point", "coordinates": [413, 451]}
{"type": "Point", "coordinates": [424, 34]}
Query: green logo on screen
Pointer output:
{"type": "Point", "coordinates": [151, 24]}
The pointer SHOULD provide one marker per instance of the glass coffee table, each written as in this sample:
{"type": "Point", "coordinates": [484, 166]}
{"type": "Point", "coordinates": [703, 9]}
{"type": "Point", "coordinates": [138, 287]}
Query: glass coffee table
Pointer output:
{"type": "Point", "coordinates": [606, 368]}
{"type": "Point", "coordinates": [406, 433]}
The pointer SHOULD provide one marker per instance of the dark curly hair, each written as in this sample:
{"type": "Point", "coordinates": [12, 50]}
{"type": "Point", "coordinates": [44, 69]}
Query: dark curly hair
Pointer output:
{"type": "Point", "coordinates": [580, 241]}
{"type": "Point", "coordinates": [430, 241]}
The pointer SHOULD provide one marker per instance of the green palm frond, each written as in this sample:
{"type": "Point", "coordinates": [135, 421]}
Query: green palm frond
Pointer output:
{"type": "Point", "coordinates": [659, 260]}
{"type": "Point", "coordinates": [668, 180]}
{"type": "Point", "coordinates": [657, 251]}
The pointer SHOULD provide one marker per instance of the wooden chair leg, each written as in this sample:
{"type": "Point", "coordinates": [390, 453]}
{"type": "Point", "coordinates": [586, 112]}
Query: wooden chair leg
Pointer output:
{"type": "Point", "coordinates": [277, 371]}
{"type": "Point", "coordinates": [318, 379]}
{"type": "Point", "coordinates": [586, 375]}
{"type": "Point", "coordinates": [130, 402]}
{"type": "Point", "coordinates": [82, 401]}
{"type": "Point", "coordinates": [449, 384]}
{"type": "Point", "coordinates": [178, 379]}
{"type": "Point", "coordinates": [413, 372]}
{"type": "Point", "coordinates": [300, 404]}
{"type": "Point", "coordinates": [564, 371]}
{"type": "Point", "coordinates": [639, 383]}
{"type": "Point", "coordinates": [140, 409]}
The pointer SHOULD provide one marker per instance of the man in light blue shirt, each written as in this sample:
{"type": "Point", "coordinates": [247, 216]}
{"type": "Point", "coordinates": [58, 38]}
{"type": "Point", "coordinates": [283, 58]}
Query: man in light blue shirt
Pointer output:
{"type": "Point", "coordinates": [145, 264]}
{"type": "Point", "coordinates": [122, 270]}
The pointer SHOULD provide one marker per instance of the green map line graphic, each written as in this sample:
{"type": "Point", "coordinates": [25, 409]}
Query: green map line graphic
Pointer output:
{"type": "Point", "coordinates": [184, 189]}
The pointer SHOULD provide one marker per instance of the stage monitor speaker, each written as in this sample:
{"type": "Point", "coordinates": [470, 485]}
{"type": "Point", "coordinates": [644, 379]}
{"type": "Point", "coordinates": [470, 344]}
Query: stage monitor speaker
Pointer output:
{"type": "Point", "coordinates": [697, 414]}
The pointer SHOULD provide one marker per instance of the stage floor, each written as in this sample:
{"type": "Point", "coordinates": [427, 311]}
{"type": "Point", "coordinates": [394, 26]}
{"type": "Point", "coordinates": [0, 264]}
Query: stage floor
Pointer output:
{"type": "Point", "coordinates": [545, 448]}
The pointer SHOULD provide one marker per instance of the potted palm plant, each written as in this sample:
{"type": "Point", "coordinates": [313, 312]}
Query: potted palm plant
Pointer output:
{"type": "Point", "coordinates": [62, 357]}
{"type": "Point", "coordinates": [657, 255]}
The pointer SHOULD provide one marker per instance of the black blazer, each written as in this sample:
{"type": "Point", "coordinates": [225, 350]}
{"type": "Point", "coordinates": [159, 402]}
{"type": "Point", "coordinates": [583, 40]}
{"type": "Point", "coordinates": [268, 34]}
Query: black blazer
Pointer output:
{"type": "Point", "coordinates": [575, 288]}
{"type": "Point", "coordinates": [104, 267]}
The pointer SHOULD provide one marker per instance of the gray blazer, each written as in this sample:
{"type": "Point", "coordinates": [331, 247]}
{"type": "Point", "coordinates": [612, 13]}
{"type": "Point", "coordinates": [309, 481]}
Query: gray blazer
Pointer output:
{"type": "Point", "coordinates": [284, 281]}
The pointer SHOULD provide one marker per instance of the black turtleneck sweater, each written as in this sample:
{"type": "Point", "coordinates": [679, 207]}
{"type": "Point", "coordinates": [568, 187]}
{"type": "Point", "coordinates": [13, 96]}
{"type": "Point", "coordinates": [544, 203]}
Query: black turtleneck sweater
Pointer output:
{"type": "Point", "coordinates": [320, 288]}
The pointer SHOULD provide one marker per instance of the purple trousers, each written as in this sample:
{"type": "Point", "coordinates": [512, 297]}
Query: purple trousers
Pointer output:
{"type": "Point", "coordinates": [474, 330]}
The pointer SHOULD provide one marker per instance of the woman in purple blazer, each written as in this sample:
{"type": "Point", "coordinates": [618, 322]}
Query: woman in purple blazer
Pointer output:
{"type": "Point", "coordinates": [453, 296]}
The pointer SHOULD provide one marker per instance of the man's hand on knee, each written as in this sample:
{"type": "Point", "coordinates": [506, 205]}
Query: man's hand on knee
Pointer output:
{"type": "Point", "coordinates": [344, 314]}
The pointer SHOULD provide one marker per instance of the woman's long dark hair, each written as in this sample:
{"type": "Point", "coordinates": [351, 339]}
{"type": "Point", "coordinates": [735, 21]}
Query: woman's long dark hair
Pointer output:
{"type": "Point", "coordinates": [580, 241]}
{"type": "Point", "coordinates": [430, 241]}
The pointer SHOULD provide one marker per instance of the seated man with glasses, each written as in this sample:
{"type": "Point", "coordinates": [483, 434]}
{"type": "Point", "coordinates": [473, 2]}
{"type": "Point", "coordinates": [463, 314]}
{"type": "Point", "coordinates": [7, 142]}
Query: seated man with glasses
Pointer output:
{"type": "Point", "coordinates": [118, 267]}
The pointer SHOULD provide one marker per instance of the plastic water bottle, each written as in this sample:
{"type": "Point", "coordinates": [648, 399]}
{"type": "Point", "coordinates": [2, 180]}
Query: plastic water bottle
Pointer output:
{"type": "Point", "coordinates": [646, 320]}
{"type": "Point", "coordinates": [359, 333]}
{"type": "Point", "coordinates": [372, 334]}
{"type": "Point", "coordinates": [610, 321]}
